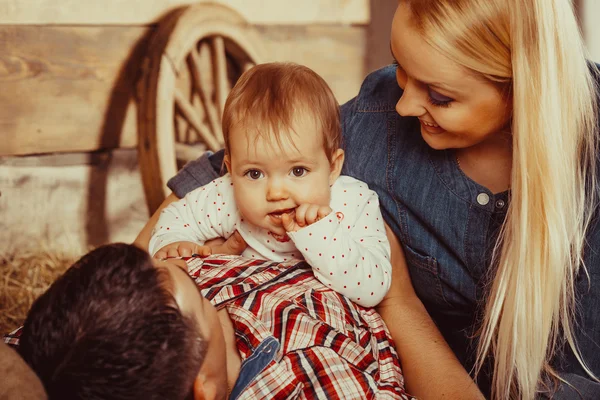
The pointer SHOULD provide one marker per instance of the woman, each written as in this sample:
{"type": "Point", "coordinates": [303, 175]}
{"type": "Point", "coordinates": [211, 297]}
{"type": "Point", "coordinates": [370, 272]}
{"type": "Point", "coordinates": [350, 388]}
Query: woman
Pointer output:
{"type": "Point", "coordinates": [481, 143]}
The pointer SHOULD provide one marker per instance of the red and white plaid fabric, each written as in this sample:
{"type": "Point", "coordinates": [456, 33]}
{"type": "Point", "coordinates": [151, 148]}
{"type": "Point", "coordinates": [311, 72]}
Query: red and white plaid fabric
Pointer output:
{"type": "Point", "coordinates": [330, 347]}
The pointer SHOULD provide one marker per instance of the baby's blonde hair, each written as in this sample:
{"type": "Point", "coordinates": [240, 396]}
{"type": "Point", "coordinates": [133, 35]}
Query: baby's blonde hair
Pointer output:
{"type": "Point", "coordinates": [531, 49]}
{"type": "Point", "coordinates": [267, 98]}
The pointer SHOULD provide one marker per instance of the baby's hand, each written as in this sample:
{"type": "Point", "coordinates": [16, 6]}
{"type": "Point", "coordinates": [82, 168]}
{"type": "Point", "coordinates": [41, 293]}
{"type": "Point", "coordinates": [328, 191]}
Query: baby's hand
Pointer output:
{"type": "Point", "coordinates": [182, 249]}
{"type": "Point", "coordinates": [305, 214]}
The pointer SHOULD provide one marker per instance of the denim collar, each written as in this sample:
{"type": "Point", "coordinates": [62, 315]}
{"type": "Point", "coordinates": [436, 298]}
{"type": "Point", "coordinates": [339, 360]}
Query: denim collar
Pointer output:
{"type": "Point", "coordinates": [446, 167]}
{"type": "Point", "coordinates": [254, 365]}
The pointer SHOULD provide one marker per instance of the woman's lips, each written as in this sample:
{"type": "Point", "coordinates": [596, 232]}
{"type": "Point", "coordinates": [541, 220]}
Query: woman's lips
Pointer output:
{"type": "Point", "coordinates": [429, 128]}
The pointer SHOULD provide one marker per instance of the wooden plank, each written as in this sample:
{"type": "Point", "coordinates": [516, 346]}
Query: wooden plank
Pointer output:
{"type": "Point", "coordinates": [337, 53]}
{"type": "Point", "coordinates": [143, 12]}
{"type": "Point", "coordinates": [71, 206]}
{"type": "Point", "coordinates": [590, 10]}
{"type": "Point", "coordinates": [68, 89]}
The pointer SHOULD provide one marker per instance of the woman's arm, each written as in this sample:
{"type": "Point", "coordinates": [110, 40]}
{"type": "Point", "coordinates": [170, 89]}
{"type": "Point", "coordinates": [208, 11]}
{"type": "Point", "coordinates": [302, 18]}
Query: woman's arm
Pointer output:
{"type": "Point", "coordinates": [431, 370]}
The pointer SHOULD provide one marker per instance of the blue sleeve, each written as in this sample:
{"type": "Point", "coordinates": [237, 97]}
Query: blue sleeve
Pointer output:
{"type": "Point", "coordinates": [197, 173]}
{"type": "Point", "coordinates": [582, 388]}
{"type": "Point", "coordinates": [586, 327]}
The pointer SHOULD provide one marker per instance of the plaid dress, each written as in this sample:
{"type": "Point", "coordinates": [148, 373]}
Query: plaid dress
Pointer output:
{"type": "Point", "coordinates": [330, 347]}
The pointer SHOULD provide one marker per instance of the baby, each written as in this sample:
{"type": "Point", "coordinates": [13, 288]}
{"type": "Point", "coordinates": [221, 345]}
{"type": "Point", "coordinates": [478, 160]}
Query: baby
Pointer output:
{"type": "Point", "coordinates": [283, 191]}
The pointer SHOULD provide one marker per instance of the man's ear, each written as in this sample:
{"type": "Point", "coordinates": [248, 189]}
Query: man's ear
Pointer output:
{"type": "Point", "coordinates": [202, 390]}
{"type": "Point", "coordinates": [227, 162]}
{"type": "Point", "coordinates": [337, 160]}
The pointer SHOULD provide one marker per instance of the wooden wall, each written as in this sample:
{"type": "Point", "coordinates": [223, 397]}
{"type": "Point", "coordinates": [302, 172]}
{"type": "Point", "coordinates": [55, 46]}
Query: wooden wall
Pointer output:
{"type": "Point", "coordinates": [68, 73]}
{"type": "Point", "coordinates": [589, 14]}
{"type": "Point", "coordinates": [68, 68]}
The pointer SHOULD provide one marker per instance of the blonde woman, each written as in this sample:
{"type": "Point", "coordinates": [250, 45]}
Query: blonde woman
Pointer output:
{"type": "Point", "coordinates": [481, 142]}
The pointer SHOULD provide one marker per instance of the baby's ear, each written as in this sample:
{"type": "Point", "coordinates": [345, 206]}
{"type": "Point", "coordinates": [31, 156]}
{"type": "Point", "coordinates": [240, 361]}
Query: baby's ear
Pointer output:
{"type": "Point", "coordinates": [337, 161]}
{"type": "Point", "coordinates": [227, 162]}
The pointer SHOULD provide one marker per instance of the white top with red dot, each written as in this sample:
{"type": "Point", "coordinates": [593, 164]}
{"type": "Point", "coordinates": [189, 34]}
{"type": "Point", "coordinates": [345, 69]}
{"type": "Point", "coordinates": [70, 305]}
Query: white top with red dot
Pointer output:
{"type": "Point", "coordinates": [348, 249]}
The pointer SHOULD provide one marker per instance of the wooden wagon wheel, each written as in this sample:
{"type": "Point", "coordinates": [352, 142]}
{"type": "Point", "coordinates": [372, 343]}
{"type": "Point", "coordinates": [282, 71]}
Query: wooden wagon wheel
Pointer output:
{"type": "Point", "coordinates": [195, 56]}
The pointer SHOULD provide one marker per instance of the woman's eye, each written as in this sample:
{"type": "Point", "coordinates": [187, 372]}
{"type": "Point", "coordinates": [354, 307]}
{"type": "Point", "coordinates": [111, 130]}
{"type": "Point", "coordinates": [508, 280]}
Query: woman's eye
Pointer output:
{"type": "Point", "coordinates": [438, 99]}
{"type": "Point", "coordinates": [299, 171]}
{"type": "Point", "coordinates": [254, 174]}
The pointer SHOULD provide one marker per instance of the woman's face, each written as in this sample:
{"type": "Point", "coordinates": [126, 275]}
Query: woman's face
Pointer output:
{"type": "Point", "coordinates": [456, 109]}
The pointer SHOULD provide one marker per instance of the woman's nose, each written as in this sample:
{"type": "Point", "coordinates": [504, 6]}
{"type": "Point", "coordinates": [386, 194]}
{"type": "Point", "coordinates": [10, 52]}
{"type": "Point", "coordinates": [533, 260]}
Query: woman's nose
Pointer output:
{"type": "Point", "coordinates": [411, 102]}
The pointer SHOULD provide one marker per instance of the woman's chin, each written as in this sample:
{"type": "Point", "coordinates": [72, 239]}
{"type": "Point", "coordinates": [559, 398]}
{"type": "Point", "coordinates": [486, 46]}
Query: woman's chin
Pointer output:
{"type": "Point", "coordinates": [435, 142]}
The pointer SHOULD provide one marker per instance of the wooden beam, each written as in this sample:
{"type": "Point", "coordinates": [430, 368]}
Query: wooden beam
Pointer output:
{"type": "Point", "coordinates": [144, 12]}
{"type": "Point", "coordinates": [589, 11]}
{"type": "Point", "coordinates": [337, 53]}
{"type": "Point", "coordinates": [69, 89]}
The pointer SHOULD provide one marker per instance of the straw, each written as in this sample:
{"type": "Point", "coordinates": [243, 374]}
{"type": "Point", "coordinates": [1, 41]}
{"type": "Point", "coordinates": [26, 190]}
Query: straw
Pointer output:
{"type": "Point", "coordinates": [24, 276]}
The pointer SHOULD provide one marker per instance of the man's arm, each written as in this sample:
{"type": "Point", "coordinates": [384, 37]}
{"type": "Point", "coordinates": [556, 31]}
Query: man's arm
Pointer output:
{"type": "Point", "coordinates": [431, 370]}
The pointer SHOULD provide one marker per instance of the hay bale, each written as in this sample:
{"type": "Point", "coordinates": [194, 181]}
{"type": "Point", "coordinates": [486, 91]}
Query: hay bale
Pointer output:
{"type": "Point", "coordinates": [23, 278]}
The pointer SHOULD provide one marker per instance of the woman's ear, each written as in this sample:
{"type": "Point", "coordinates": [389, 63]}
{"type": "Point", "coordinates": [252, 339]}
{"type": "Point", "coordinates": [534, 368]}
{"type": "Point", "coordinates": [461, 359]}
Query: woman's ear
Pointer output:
{"type": "Point", "coordinates": [227, 162]}
{"type": "Point", "coordinates": [337, 161]}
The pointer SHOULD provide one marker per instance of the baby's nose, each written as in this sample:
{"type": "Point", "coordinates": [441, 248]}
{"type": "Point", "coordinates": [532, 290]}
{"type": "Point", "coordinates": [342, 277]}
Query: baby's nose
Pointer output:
{"type": "Point", "coordinates": [276, 191]}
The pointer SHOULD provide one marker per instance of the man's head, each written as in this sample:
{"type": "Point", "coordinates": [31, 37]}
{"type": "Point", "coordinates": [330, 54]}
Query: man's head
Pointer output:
{"type": "Point", "coordinates": [116, 326]}
{"type": "Point", "coordinates": [282, 137]}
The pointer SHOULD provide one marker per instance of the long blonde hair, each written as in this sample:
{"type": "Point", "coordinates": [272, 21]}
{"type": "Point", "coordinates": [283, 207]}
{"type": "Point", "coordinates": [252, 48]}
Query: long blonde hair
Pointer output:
{"type": "Point", "coordinates": [532, 48]}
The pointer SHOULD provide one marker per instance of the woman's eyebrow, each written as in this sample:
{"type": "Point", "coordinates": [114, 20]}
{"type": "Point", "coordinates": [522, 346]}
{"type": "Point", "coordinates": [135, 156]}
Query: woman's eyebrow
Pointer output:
{"type": "Point", "coordinates": [439, 85]}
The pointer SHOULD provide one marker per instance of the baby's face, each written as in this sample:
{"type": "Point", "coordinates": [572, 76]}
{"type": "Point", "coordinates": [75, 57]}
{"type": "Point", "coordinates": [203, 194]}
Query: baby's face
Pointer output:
{"type": "Point", "coordinates": [271, 178]}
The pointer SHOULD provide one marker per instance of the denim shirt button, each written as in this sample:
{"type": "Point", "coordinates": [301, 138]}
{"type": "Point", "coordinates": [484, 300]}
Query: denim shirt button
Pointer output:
{"type": "Point", "coordinates": [483, 199]}
{"type": "Point", "coordinates": [500, 203]}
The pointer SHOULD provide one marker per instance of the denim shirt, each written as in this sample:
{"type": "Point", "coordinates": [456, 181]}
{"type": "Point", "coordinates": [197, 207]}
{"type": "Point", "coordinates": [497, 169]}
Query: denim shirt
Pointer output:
{"type": "Point", "coordinates": [447, 223]}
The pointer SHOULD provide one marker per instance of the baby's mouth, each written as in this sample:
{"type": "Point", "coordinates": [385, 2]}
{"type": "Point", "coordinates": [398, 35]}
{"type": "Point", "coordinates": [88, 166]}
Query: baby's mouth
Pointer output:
{"type": "Point", "coordinates": [276, 215]}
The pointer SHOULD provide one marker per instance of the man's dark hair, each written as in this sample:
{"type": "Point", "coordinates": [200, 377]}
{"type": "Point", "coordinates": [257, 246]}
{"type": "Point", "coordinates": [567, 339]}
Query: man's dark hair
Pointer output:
{"type": "Point", "coordinates": [109, 329]}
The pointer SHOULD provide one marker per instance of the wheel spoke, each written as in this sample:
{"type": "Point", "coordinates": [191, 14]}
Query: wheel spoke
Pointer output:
{"type": "Point", "coordinates": [188, 112]}
{"type": "Point", "coordinates": [187, 153]}
{"type": "Point", "coordinates": [201, 87]}
{"type": "Point", "coordinates": [247, 65]}
{"type": "Point", "coordinates": [196, 95]}
{"type": "Point", "coordinates": [220, 72]}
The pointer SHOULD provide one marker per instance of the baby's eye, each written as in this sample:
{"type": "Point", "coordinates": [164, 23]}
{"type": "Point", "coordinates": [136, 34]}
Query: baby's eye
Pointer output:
{"type": "Point", "coordinates": [299, 171]}
{"type": "Point", "coordinates": [254, 174]}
